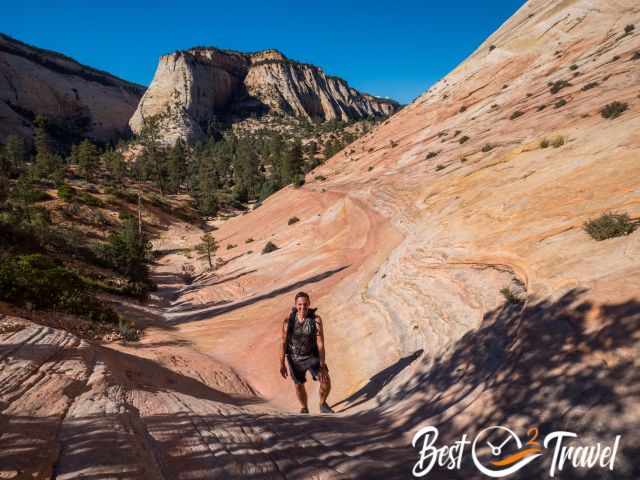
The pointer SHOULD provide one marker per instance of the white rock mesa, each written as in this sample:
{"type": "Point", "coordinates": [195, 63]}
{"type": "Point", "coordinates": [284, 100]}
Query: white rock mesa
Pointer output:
{"type": "Point", "coordinates": [193, 88]}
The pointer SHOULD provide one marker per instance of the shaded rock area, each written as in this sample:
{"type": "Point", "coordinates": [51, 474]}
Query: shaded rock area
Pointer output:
{"type": "Point", "coordinates": [80, 99]}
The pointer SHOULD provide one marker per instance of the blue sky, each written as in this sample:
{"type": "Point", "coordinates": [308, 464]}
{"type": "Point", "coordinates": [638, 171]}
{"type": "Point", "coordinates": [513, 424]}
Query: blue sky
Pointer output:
{"type": "Point", "coordinates": [387, 48]}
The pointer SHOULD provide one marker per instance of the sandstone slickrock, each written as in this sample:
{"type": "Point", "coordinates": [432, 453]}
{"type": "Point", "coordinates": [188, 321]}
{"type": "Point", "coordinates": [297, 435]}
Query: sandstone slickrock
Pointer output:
{"type": "Point", "coordinates": [405, 261]}
{"type": "Point", "coordinates": [195, 87]}
{"type": "Point", "coordinates": [35, 81]}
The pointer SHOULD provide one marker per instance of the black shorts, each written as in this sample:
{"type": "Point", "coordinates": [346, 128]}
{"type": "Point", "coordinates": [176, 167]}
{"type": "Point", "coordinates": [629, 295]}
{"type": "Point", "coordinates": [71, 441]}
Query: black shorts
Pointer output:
{"type": "Point", "coordinates": [298, 369]}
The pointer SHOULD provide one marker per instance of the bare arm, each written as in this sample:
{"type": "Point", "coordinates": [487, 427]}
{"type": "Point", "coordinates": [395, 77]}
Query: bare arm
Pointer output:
{"type": "Point", "coordinates": [283, 368]}
{"type": "Point", "coordinates": [283, 345]}
{"type": "Point", "coordinates": [320, 335]}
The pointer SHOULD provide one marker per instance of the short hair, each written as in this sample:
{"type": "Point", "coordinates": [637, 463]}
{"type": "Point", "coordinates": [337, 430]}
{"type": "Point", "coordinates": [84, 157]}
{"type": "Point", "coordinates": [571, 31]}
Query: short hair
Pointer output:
{"type": "Point", "coordinates": [302, 295]}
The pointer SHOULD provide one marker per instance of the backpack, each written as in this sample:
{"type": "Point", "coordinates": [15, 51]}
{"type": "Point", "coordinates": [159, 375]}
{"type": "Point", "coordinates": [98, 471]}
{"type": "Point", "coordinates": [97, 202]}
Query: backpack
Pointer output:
{"type": "Point", "coordinates": [290, 325]}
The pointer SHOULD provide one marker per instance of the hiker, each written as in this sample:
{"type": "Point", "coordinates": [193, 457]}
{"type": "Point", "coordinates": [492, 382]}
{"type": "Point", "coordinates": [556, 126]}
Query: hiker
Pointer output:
{"type": "Point", "coordinates": [303, 349]}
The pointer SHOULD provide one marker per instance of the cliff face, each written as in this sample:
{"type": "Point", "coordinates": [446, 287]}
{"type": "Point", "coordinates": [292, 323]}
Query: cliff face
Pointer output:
{"type": "Point", "coordinates": [194, 87]}
{"type": "Point", "coordinates": [35, 81]}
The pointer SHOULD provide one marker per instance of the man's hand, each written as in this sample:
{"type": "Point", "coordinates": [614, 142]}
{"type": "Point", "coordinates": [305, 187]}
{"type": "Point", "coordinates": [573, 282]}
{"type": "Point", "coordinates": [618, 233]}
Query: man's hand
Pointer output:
{"type": "Point", "coordinates": [283, 370]}
{"type": "Point", "coordinates": [323, 373]}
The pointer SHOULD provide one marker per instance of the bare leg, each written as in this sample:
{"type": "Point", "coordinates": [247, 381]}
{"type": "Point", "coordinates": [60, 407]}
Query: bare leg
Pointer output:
{"type": "Point", "coordinates": [301, 393]}
{"type": "Point", "coordinates": [325, 388]}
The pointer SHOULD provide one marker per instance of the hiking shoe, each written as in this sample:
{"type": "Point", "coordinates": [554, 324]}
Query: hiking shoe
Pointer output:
{"type": "Point", "coordinates": [304, 410]}
{"type": "Point", "coordinates": [324, 408]}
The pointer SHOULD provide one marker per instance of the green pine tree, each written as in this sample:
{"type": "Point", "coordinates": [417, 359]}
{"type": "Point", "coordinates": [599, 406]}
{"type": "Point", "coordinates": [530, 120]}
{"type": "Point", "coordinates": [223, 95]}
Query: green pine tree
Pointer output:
{"type": "Point", "coordinates": [15, 153]}
{"type": "Point", "coordinates": [176, 167]}
{"type": "Point", "coordinates": [129, 251]}
{"type": "Point", "coordinates": [88, 158]}
{"type": "Point", "coordinates": [292, 163]}
{"type": "Point", "coordinates": [208, 248]}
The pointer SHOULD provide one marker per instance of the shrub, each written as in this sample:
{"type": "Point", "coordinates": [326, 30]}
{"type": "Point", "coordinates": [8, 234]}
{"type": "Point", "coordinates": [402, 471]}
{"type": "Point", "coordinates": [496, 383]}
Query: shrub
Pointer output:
{"type": "Point", "coordinates": [589, 86]}
{"type": "Point", "coordinates": [393, 144]}
{"type": "Point", "coordinates": [100, 219]}
{"type": "Point", "coordinates": [573, 67]}
{"type": "Point", "coordinates": [463, 139]}
{"type": "Point", "coordinates": [557, 142]}
{"type": "Point", "coordinates": [516, 114]}
{"type": "Point", "coordinates": [88, 199]}
{"type": "Point", "coordinates": [492, 47]}
{"type": "Point", "coordinates": [615, 58]}
{"type": "Point", "coordinates": [613, 110]}
{"type": "Point", "coordinates": [230, 246]}
{"type": "Point", "coordinates": [559, 85]}
{"type": "Point", "coordinates": [462, 108]}
{"type": "Point", "coordinates": [267, 188]}
{"type": "Point", "coordinates": [269, 247]}
{"type": "Point", "coordinates": [66, 192]}
{"type": "Point", "coordinates": [440, 167]}
{"type": "Point", "coordinates": [26, 191]}
{"type": "Point", "coordinates": [544, 143]}
{"type": "Point", "coordinates": [370, 168]}
{"type": "Point", "coordinates": [298, 181]}
{"type": "Point", "coordinates": [510, 296]}
{"type": "Point", "coordinates": [463, 159]}
{"type": "Point", "coordinates": [293, 220]}
{"type": "Point", "coordinates": [431, 155]}
{"type": "Point", "coordinates": [629, 28]}
{"type": "Point", "coordinates": [560, 103]}
{"type": "Point", "coordinates": [320, 178]}
{"type": "Point", "coordinates": [248, 240]}
{"type": "Point", "coordinates": [487, 148]}
{"type": "Point", "coordinates": [42, 283]}
{"type": "Point", "coordinates": [128, 331]}
{"type": "Point", "coordinates": [188, 273]}
{"type": "Point", "coordinates": [609, 225]}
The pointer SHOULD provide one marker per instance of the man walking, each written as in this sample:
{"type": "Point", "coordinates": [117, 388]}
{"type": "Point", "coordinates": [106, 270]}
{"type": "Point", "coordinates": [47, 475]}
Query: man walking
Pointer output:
{"type": "Point", "coordinates": [303, 349]}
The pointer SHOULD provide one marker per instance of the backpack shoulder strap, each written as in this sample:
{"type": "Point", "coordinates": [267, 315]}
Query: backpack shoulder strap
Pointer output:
{"type": "Point", "coordinates": [314, 329]}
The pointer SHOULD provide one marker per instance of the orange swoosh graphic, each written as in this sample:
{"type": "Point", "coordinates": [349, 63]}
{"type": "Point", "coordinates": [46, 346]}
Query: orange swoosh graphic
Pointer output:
{"type": "Point", "coordinates": [515, 457]}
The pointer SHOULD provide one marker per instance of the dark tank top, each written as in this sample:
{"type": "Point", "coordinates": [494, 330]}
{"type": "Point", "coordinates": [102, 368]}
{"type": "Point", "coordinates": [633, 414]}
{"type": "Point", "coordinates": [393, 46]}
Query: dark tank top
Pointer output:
{"type": "Point", "coordinates": [301, 340]}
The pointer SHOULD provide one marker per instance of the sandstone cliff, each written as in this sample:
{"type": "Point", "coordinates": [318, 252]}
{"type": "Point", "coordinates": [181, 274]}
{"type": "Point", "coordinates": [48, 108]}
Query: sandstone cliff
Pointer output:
{"type": "Point", "coordinates": [192, 88]}
{"type": "Point", "coordinates": [35, 81]}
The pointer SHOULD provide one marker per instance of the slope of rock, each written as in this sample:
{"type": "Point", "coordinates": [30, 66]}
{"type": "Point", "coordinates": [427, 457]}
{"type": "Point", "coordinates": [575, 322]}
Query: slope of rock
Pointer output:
{"type": "Point", "coordinates": [193, 88]}
{"type": "Point", "coordinates": [483, 183]}
{"type": "Point", "coordinates": [35, 81]}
